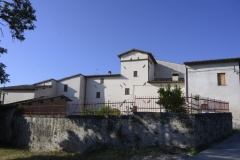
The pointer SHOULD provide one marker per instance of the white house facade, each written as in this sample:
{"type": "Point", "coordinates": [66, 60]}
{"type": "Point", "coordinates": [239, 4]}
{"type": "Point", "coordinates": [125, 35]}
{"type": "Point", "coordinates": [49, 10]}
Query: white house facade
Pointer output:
{"type": "Point", "coordinates": [141, 75]}
{"type": "Point", "coordinates": [219, 79]}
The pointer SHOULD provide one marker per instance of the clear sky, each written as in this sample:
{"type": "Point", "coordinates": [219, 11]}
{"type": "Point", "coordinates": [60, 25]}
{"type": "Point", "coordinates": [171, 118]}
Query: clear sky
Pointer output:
{"type": "Point", "coordinates": [85, 36]}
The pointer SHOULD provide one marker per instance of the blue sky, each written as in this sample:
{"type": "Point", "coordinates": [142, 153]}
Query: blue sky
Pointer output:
{"type": "Point", "coordinates": [82, 36]}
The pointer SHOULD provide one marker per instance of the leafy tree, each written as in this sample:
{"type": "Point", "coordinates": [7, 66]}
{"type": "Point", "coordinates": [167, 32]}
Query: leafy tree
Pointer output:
{"type": "Point", "coordinates": [171, 99]}
{"type": "Point", "coordinates": [19, 16]}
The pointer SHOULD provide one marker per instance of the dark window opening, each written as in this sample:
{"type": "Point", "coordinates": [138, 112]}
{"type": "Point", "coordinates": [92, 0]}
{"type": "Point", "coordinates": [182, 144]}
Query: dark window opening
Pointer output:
{"type": "Point", "coordinates": [127, 91]}
{"type": "Point", "coordinates": [98, 95]}
{"type": "Point", "coordinates": [134, 73]}
{"type": "Point", "coordinates": [65, 87]}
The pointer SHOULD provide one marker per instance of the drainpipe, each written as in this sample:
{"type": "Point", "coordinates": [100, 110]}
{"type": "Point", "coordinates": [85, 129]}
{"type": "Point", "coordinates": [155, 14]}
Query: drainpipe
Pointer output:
{"type": "Point", "coordinates": [148, 68]}
{"type": "Point", "coordinates": [3, 94]}
{"type": "Point", "coordinates": [186, 82]}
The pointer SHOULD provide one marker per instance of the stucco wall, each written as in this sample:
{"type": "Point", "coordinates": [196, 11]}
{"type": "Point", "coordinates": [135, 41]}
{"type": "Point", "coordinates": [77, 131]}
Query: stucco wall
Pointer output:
{"type": "Point", "coordinates": [134, 56]}
{"type": "Point", "coordinates": [113, 88]}
{"type": "Point", "coordinates": [73, 91]}
{"type": "Point", "coordinates": [202, 80]}
{"type": "Point", "coordinates": [82, 89]}
{"type": "Point", "coordinates": [151, 88]}
{"type": "Point", "coordinates": [44, 92]}
{"type": "Point", "coordinates": [151, 71]}
{"type": "Point", "coordinates": [50, 82]}
{"type": "Point", "coordinates": [17, 95]}
{"type": "Point", "coordinates": [165, 69]}
{"type": "Point", "coordinates": [77, 133]}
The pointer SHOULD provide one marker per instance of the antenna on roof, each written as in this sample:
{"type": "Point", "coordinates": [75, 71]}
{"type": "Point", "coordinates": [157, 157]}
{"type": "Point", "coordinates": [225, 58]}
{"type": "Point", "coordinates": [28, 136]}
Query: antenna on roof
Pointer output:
{"type": "Point", "coordinates": [96, 72]}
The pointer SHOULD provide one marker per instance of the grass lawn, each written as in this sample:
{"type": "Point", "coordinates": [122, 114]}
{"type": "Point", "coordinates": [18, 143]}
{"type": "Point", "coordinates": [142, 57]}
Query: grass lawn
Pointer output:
{"type": "Point", "coordinates": [103, 153]}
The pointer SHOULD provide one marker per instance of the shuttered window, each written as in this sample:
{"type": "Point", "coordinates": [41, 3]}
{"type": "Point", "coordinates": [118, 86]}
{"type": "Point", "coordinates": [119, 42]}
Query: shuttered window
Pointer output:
{"type": "Point", "coordinates": [221, 79]}
{"type": "Point", "coordinates": [127, 92]}
{"type": "Point", "coordinates": [134, 73]}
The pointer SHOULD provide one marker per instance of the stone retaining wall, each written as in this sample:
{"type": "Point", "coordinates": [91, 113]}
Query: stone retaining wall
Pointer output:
{"type": "Point", "coordinates": [77, 133]}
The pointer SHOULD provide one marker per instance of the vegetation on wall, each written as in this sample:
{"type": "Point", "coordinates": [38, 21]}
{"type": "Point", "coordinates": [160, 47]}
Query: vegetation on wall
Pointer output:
{"type": "Point", "coordinates": [102, 111]}
{"type": "Point", "coordinates": [171, 99]}
{"type": "Point", "coordinates": [20, 109]}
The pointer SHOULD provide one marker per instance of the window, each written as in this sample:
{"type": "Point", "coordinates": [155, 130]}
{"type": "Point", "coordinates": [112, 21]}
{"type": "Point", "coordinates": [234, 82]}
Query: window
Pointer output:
{"type": "Point", "coordinates": [126, 91]}
{"type": "Point", "coordinates": [134, 73]}
{"type": "Point", "coordinates": [65, 88]}
{"type": "Point", "coordinates": [221, 79]}
{"type": "Point", "coordinates": [102, 81]}
{"type": "Point", "coordinates": [98, 95]}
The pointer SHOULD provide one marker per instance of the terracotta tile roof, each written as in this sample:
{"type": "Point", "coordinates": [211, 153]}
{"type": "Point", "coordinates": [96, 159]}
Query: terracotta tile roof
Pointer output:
{"type": "Point", "coordinates": [213, 61]}
{"type": "Point", "coordinates": [20, 87]}
{"type": "Point", "coordinates": [44, 81]}
{"type": "Point", "coordinates": [25, 87]}
{"type": "Point", "coordinates": [36, 100]}
{"type": "Point", "coordinates": [138, 50]}
{"type": "Point", "coordinates": [76, 75]}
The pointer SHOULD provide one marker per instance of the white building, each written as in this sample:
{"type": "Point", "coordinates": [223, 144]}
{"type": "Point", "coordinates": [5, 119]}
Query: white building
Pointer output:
{"type": "Point", "coordinates": [141, 75]}
{"type": "Point", "coordinates": [219, 79]}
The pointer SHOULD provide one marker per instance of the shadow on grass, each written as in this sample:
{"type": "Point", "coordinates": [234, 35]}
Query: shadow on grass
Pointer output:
{"type": "Point", "coordinates": [102, 152]}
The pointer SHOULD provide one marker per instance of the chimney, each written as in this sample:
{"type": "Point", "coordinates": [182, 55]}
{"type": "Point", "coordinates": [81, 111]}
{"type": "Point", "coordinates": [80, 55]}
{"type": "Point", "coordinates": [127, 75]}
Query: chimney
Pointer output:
{"type": "Point", "coordinates": [175, 77]}
{"type": "Point", "coordinates": [109, 72]}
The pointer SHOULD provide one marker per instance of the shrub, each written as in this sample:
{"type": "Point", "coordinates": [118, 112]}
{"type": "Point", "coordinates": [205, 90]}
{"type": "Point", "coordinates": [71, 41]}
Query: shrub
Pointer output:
{"type": "Point", "coordinates": [106, 110]}
{"type": "Point", "coordinates": [20, 109]}
{"type": "Point", "coordinates": [171, 99]}
{"type": "Point", "coordinates": [196, 97]}
{"type": "Point", "coordinates": [115, 112]}
{"type": "Point", "coordinates": [86, 111]}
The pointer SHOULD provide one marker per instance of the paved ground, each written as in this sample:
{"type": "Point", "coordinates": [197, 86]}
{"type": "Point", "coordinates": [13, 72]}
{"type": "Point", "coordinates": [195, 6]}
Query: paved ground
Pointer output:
{"type": "Point", "coordinates": [226, 150]}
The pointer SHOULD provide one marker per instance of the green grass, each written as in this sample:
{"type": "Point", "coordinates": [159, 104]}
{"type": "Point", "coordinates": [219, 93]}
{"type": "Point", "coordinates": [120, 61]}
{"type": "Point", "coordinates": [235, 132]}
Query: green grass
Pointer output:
{"type": "Point", "coordinates": [96, 152]}
{"type": "Point", "coordinates": [100, 153]}
{"type": "Point", "coordinates": [200, 149]}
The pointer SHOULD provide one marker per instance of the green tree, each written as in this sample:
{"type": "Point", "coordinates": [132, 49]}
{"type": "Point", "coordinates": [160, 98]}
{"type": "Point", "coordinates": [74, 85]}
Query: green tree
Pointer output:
{"type": "Point", "coordinates": [171, 99]}
{"type": "Point", "coordinates": [19, 16]}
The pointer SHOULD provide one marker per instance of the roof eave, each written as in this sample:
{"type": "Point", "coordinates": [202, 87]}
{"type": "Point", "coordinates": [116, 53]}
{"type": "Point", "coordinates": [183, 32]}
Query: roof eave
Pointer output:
{"type": "Point", "coordinates": [73, 76]}
{"type": "Point", "coordinates": [105, 75]}
{"type": "Point", "coordinates": [213, 61]}
{"type": "Point", "coordinates": [166, 81]}
{"type": "Point", "coordinates": [132, 50]}
{"type": "Point", "coordinates": [48, 80]}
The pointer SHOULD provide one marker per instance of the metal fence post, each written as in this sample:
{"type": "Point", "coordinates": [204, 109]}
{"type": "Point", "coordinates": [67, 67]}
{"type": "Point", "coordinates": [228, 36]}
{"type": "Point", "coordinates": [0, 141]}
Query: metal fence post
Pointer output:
{"type": "Point", "coordinates": [191, 103]}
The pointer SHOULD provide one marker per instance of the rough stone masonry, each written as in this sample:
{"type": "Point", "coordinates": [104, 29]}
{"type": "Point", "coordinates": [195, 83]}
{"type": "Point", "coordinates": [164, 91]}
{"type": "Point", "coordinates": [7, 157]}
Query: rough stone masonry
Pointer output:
{"type": "Point", "coordinates": [78, 133]}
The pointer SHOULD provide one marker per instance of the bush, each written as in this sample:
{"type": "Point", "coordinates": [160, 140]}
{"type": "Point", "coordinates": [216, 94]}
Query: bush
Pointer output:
{"type": "Point", "coordinates": [20, 109]}
{"type": "Point", "coordinates": [171, 99]}
{"type": "Point", "coordinates": [115, 112]}
{"type": "Point", "coordinates": [86, 111]}
{"type": "Point", "coordinates": [102, 111]}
